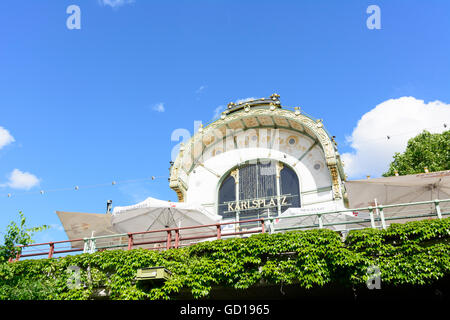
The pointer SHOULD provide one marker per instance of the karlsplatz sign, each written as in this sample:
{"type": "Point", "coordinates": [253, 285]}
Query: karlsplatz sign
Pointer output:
{"type": "Point", "coordinates": [262, 203]}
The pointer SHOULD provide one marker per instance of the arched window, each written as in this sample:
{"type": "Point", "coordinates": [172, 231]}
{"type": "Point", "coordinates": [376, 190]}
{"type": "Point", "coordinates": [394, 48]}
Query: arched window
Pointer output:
{"type": "Point", "coordinates": [254, 190]}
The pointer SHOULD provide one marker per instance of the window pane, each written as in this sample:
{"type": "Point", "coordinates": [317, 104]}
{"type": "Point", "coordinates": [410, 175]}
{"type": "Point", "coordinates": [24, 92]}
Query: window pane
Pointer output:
{"type": "Point", "coordinates": [257, 181]}
{"type": "Point", "coordinates": [227, 192]}
{"type": "Point", "coordinates": [289, 185]}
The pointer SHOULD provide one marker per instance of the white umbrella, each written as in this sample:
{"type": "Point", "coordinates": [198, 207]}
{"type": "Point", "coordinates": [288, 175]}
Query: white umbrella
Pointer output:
{"type": "Point", "coordinates": [153, 214]}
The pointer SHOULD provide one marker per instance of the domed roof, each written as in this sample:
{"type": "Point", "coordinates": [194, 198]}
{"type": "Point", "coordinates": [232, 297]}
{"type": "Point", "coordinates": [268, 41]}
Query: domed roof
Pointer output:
{"type": "Point", "coordinates": [248, 115]}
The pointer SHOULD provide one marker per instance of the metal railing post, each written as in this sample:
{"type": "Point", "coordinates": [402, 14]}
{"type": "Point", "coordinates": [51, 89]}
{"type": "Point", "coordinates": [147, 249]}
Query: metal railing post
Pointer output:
{"type": "Point", "coordinates": [169, 239]}
{"type": "Point", "coordinates": [130, 241]}
{"type": "Point", "coordinates": [86, 245]}
{"type": "Point", "coordinates": [319, 216]}
{"type": "Point", "coordinates": [89, 245]}
{"type": "Point", "coordinates": [219, 231]}
{"type": "Point", "coordinates": [383, 222]}
{"type": "Point", "coordinates": [177, 238]}
{"type": "Point", "coordinates": [372, 220]}
{"type": "Point", "coordinates": [52, 250]}
{"type": "Point", "coordinates": [438, 208]}
{"type": "Point", "coordinates": [93, 245]}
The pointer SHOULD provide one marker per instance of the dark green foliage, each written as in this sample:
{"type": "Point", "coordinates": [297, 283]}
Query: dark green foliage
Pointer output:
{"type": "Point", "coordinates": [414, 253]}
{"type": "Point", "coordinates": [431, 150]}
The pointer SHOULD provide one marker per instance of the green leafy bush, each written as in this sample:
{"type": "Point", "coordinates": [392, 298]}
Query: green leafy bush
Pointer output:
{"type": "Point", "coordinates": [413, 253]}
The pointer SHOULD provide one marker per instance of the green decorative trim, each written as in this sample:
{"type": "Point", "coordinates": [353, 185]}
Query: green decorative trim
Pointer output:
{"type": "Point", "coordinates": [307, 151]}
{"type": "Point", "coordinates": [318, 190]}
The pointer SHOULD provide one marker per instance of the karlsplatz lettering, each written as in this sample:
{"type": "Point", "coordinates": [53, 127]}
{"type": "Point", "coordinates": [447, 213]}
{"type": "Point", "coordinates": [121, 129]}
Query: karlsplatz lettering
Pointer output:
{"type": "Point", "coordinates": [193, 310]}
{"type": "Point", "coordinates": [257, 203]}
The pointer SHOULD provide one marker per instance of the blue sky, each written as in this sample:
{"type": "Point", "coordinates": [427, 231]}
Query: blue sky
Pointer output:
{"type": "Point", "coordinates": [90, 106]}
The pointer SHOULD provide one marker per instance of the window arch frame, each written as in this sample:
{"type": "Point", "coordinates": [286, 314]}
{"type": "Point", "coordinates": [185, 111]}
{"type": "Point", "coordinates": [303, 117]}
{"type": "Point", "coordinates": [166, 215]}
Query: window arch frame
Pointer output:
{"type": "Point", "coordinates": [228, 173]}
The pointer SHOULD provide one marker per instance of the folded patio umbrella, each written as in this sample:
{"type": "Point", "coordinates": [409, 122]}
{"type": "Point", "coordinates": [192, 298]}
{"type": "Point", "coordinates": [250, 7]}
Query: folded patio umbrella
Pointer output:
{"type": "Point", "coordinates": [153, 214]}
{"type": "Point", "coordinates": [79, 225]}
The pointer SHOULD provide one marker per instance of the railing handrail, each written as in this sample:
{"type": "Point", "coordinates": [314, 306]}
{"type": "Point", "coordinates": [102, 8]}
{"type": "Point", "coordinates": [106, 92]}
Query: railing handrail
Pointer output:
{"type": "Point", "coordinates": [306, 214]}
{"type": "Point", "coordinates": [91, 240]}
{"type": "Point", "coordinates": [191, 227]}
{"type": "Point", "coordinates": [48, 243]}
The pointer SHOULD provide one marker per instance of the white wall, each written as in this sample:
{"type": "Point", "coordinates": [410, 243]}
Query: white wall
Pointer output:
{"type": "Point", "coordinates": [203, 181]}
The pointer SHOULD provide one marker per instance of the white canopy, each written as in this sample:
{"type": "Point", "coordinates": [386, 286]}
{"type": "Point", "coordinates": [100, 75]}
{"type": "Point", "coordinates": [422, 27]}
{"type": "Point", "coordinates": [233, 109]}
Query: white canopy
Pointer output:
{"type": "Point", "coordinates": [399, 189]}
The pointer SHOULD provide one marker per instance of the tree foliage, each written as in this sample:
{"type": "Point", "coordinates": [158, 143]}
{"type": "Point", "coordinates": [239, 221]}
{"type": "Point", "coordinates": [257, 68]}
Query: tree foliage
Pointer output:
{"type": "Point", "coordinates": [17, 234]}
{"type": "Point", "coordinates": [431, 150]}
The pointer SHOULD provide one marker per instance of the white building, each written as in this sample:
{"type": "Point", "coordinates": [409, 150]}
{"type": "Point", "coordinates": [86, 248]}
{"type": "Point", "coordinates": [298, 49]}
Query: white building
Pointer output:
{"type": "Point", "coordinates": [259, 159]}
{"type": "Point", "coordinates": [262, 160]}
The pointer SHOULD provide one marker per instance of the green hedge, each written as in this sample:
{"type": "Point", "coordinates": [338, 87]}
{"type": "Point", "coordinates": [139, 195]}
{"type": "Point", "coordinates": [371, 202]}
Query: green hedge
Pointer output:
{"type": "Point", "coordinates": [415, 253]}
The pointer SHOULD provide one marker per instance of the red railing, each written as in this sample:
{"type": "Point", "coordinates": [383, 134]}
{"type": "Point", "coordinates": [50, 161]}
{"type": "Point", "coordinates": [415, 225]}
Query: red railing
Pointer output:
{"type": "Point", "coordinates": [179, 238]}
{"type": "Point", "coordinates": [174, 238]}
{"type": "Point", "coordinates": [51, 250]}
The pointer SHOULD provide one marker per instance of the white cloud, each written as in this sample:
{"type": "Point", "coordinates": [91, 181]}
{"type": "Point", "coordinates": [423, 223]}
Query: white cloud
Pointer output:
{"type": "Point", "coordinates": [5, 137]}
{"type": "Point", "coordinates": [115, 3]}
{"type": "Point", "coordinates": [400, 119]}
{"type": "Point", "coordinates": [58, 227]}
{"type": "Point", "coordinates": [159, 107]}
{"type": "Point", "coordinates": [200, 90]}
{"type": "Point", "coordinates": [218, 111]}
{"type": "Point", "coordinates": [21, 180]}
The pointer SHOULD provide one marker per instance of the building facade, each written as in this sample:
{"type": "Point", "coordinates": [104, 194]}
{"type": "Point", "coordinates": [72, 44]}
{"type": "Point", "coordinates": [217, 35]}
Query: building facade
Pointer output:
{"type": "Point", "coordinates": [258, 160]}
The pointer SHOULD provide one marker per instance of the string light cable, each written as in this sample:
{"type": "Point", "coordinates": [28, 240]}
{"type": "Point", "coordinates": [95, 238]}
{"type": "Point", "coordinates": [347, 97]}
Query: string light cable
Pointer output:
{"type": "Point", "coordinates": [82, 187]}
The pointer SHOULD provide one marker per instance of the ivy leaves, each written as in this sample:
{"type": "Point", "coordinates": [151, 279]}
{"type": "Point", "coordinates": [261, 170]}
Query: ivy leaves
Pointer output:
{"type": "Point", "coordinates": [413, 253]}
